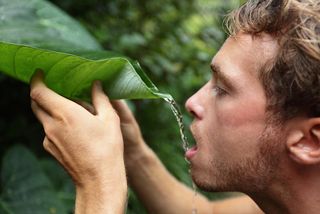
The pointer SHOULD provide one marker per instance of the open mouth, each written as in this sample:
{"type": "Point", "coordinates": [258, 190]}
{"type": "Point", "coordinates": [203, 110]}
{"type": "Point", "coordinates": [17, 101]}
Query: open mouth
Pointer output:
{"type": "Point", "coordinates": [191, 152]}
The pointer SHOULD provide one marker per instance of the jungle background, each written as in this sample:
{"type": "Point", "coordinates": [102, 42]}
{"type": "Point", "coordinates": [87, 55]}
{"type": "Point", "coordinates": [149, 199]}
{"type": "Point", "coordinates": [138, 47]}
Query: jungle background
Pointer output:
{"type": "Point", "coordinates": [174, 41]}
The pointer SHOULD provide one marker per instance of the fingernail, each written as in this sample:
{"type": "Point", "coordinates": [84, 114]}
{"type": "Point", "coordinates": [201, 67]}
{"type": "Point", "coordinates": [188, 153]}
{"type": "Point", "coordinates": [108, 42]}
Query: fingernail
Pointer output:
{"type": "Point", "coordinates": [98, 84]}
{"type": "Point", "coordinates": [38, 74]}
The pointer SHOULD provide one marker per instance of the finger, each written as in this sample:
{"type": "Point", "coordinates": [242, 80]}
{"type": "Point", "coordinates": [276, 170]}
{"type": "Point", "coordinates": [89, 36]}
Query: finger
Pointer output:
{"type": "Point", "coordinates": [50, 147]}
{"type": "Point", "coordinates": [123, 110]}
{"type": "Point", "coordinates": [47, 99]}
{"type": "Point", "coordinates": [42, 115]}
{"type": "Point", "coordinates": [101, 102]}
{"type": "Point", "coordinates": [87, 106]}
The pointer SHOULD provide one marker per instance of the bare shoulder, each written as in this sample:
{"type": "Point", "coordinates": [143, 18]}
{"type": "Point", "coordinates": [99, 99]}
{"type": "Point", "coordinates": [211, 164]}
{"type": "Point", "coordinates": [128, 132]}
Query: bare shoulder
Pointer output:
{"type": "Point", "coordinates": [240, 205]}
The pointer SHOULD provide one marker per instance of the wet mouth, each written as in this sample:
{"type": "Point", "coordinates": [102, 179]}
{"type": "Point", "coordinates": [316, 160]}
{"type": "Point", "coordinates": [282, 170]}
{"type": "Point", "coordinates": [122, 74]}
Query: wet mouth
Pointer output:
{"type": "Point", "coordinates": [191, 152]}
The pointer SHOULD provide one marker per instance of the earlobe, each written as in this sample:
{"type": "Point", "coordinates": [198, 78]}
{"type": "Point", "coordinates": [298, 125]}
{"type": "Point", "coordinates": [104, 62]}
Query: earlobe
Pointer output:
{"type": "Point", "coordinates": [303, 143]}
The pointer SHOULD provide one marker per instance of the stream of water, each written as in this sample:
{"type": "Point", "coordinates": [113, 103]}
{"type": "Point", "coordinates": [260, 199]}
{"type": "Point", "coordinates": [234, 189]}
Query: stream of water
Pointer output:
{"type": "Point", "coordinates": [175, 109]}
{"type": "Point", "coordinates": [185, 144]}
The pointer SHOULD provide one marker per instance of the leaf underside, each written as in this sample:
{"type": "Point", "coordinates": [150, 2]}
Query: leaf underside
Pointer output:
{"type": "Point", "coordinates": [26, 25]}
{"type": "Point", "coordinates": [72, 76]}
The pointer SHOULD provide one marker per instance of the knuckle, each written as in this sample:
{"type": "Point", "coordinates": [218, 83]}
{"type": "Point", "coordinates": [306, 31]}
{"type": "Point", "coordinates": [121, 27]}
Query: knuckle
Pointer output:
{"type": "Point", "coordinates": [46, 145]}
{"type": "Point", "coordinates": [110, 114]}
{"type": "Point", "coordinates": [66, 113]}
{"type": "Point", "coordinates": [64, 117]}
{"type": "Point", "coordinates": [50, 131]}
{"type": "Point", "coordinates": [33, 105]}
{"type": "Point", "coordinates": [67, 120]}
{"type": "Point", "coordinates": [114, 117]}
{"type": "Point", "coordinates": [36, 94]}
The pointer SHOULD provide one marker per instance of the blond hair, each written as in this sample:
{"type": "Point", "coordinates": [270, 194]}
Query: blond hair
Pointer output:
{"type": "Point", "coordinates": [292, 79]}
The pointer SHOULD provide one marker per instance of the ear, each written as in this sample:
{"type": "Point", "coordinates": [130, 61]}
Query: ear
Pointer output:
{"type": "Point", "coordinates": [303, 141]}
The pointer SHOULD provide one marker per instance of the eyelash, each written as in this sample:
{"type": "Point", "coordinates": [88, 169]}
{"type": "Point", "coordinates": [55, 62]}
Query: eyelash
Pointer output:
{"type": "Point", "coordinates": [218, 91]}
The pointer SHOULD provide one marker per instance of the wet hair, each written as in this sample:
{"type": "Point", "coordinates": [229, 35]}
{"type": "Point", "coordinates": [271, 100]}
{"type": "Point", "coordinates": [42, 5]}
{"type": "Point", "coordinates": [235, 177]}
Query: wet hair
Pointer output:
{"type": "Point", "coordinates": [292, 78]}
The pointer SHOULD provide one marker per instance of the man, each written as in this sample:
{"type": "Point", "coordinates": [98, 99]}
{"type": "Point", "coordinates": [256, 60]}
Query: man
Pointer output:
{"type": "Point", "coordinates": [257, 126]}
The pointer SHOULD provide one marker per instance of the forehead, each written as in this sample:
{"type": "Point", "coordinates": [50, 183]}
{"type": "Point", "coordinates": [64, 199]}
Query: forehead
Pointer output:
{"type": "Point", "coordinates": [246, 53]}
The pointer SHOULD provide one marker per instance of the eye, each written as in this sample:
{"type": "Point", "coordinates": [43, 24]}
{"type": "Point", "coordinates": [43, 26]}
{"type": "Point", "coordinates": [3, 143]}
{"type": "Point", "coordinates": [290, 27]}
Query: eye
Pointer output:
{"type": "Point", "coordinates": [217, 87]}
{"type": "Point", "coordinates": [217, 91]}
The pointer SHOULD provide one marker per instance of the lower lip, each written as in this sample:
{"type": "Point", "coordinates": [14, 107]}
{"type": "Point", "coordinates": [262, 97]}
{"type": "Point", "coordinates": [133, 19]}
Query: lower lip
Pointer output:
{"type": "Point", "coordinates": [191, 152]}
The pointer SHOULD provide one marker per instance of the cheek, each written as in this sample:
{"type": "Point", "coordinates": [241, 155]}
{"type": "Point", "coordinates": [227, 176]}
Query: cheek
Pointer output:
{"type": "Point", "coordinates": [239, 127]}
{"type": "Point", "coordinates": [243, 113]}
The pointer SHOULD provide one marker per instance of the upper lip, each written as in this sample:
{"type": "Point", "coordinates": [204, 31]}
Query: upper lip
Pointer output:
{"type": "Point", "coordinates": [192, 130]}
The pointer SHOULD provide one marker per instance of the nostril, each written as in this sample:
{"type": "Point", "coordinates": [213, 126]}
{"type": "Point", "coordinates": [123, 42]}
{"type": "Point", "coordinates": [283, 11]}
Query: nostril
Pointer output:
{"type": "Point", "coordinates": [193, 113]}
{"type": "Point", "coordinates": [190, 106]}
{"type": "Point", "coordinates": [196, 110]}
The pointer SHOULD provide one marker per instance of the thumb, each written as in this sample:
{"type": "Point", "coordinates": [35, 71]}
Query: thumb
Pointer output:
{"type": "Point", "coordinates": [101, 102]}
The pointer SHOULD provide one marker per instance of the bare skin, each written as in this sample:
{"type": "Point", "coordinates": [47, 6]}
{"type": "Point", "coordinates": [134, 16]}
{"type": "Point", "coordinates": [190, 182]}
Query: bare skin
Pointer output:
{"type": "Point", "coordinates": [89, 147]}
{"type": "Point", "coordinates": [233, 114]}
{"type": "Point", "coordinates": [146, 174]}
{"type": "Point", "coordinates": [238, 147]}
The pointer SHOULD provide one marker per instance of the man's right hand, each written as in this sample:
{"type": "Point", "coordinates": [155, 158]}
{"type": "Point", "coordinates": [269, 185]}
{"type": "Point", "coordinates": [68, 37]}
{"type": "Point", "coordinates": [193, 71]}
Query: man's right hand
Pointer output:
{"type": "Point", "coordinates": [89, 146]}
{"type": "Point", "coordinates": [134, 144]}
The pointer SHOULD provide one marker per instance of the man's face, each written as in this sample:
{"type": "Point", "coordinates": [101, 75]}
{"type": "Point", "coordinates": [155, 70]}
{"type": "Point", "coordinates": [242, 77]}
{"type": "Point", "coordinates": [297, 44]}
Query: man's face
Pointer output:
{"type": "Point", "coordinates": [237, 149]}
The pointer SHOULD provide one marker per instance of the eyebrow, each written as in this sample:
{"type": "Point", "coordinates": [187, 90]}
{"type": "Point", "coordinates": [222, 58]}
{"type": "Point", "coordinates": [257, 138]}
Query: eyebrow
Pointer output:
{"type": "Point", "coordinates": [216, 70]}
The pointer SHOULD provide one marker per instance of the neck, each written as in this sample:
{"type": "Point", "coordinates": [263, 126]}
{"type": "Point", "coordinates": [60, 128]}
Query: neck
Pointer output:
{"type": "Point", "coordinates": [297, 192]}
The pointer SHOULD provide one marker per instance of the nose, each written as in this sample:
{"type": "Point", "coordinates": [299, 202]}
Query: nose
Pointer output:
{"type": "Point", "coordinates": [194, 106]}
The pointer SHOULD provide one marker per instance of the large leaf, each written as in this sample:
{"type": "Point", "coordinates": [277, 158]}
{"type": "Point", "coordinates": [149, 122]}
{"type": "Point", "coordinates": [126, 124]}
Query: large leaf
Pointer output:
{"type": "Point", "coordinates": [72, 76]}
{"type": "Point", "coordinates": [41, 24]}
{"type": "Point", "coordinates": [25, 187]}
{"type": "Point", "coordinates": [36, 23]}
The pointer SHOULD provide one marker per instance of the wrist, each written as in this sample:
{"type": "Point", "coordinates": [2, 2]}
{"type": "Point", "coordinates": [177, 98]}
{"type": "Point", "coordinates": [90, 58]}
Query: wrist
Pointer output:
{"type": "Point", "coordinates": [101, 198]}
{"type": "Point", "coordinates": [138, 158]}
{"type": "Point", "coordinates": [136, 152]}
{"type": "Point", "coordinates": [104, 193]}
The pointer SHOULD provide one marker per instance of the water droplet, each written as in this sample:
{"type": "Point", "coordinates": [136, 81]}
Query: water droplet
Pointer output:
{"type": "Point", "coordinates": [195, 193]}
{"type": "Point", "coordinates": [186, 160]}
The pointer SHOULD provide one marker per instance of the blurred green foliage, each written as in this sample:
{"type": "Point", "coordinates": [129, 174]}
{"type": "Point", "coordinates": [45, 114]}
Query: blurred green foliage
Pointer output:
{"type": "Point", "coordinates": [174, 42]}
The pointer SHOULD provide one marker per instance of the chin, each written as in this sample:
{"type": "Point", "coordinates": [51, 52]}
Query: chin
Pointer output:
{"type": "Point", "coordinates": [204, 184]}
{"type": "Point", "coordinates": [209, 185]}
{"type": "Point", "coordinates": [201, 179]}
{"type": "Point", "coordinates": [206, 179]}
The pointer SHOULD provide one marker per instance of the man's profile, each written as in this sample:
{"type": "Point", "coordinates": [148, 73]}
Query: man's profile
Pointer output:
{"type": "Point", "coordinates": [256, 125]}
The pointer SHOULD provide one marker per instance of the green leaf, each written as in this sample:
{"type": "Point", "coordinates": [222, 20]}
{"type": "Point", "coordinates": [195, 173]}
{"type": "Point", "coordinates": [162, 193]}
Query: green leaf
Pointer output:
{"type": "Point", "coordinates": [26, 25]}
{"type": "Point", "coordinates": [39, 23]}
{"type": "Point", "coordinates": [72, 76]}
{"type": "Point", "coordinates": [25, 188]}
